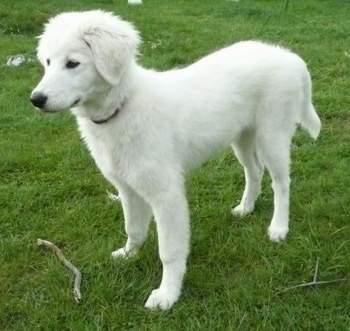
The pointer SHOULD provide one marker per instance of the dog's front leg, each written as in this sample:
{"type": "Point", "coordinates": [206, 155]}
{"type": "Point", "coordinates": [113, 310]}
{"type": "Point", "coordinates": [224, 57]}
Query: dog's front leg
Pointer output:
{"type": "Point", "coordinates": [137, 215]}
{"type": "Point", "coordinates": [172, 218]}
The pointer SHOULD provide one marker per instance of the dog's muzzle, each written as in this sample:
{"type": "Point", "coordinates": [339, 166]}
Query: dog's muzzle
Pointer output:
{"type": "Point", "coordinates": [38, 99]}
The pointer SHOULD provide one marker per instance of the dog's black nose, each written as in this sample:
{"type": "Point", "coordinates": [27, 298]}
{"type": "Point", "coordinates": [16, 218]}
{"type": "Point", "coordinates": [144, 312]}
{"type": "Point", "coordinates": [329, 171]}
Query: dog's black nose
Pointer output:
{"type": "Point", "coordinates": [38, 99]}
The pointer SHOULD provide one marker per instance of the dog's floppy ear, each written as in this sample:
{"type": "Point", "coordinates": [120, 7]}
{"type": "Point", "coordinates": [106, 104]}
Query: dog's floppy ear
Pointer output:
{"type": "Point", "coordinates": [113, 46]}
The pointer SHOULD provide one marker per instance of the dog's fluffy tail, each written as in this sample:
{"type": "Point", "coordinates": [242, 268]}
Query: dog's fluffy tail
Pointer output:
{"type": "Point", "coordinates": [309, 118]}
{"type": "Point", "coordinates": [310, 121]}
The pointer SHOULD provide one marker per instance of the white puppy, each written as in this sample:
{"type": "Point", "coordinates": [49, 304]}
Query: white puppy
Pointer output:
{"type": "Point", "coordinates": [145, 129]}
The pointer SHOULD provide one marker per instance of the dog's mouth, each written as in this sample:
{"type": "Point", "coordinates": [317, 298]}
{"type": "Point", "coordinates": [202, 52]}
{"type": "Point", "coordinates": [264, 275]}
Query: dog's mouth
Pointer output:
{"type": "Point", "coordinates": [51, 111]}
{"type": "Point", "coordinates": [44, 111]}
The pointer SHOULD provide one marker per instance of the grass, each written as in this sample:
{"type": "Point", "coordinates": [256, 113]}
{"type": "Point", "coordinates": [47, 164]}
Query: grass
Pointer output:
{"type": "Point", "coordinates": [51, 188]}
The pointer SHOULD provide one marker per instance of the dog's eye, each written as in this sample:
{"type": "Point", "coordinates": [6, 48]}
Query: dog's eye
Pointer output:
{"type": "Point", "coordinates": [72, 64]}
{"type": "Point", "coordinates": [48, 62]}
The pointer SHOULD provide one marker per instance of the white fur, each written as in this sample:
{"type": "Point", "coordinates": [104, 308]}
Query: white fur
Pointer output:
{"type": "Point", "coordinates": [134, 2]}
{"type": "Point", "coordinates": [250, 95]}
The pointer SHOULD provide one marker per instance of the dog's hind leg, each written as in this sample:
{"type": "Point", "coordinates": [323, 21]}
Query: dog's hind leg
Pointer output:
{"type": "Point", "coordinates": [137, 215]}
{"type": "Point", "coordinates": [275, 151]}
{"type": "Point", "coordinates": [246, 152]}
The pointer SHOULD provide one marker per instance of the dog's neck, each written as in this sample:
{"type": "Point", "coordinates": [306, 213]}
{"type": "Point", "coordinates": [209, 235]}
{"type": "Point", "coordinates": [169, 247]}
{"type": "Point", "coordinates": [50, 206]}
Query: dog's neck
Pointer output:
{"type": "Point", "coordinates": [108, 104]}
{"type": "Point", "coordinates": [105, 120]}
{"type": "Point", "coordinates": [102, 110]}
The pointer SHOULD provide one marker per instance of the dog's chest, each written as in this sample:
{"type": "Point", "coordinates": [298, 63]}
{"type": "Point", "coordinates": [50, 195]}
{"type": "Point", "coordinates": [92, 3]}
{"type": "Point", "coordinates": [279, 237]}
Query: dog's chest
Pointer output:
{"type": "Point", "coordinates": [107, 152]}
{"type": "Point", "coordinates": [117, 152]}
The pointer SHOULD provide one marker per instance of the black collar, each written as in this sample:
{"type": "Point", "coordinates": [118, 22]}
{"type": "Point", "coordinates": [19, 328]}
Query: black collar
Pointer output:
{"type": "Point", "coordinates": [103, 121]}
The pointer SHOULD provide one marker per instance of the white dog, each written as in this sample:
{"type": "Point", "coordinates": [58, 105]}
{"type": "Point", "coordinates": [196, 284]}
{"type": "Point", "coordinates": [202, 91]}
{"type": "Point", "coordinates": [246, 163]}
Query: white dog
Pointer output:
{"type": "Point", "coordinates": [145, 129]}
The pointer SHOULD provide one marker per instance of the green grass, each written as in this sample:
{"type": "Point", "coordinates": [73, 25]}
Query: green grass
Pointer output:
{"type": "Point", "coordinates": [50, 187]}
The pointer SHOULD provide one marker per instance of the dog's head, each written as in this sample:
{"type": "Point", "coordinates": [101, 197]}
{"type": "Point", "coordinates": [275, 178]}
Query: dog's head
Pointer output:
{"type": "Point", "coordinates": [84, 54]}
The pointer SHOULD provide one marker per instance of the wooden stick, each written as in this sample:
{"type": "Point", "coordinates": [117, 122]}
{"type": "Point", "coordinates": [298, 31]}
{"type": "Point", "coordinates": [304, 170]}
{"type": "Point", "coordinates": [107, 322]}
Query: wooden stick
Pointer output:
{"type": "Point", "coordinates": [69, 265]}
{"type": "Point", "coordinates": [314, 282]}
{"type": "Point", "coordinates": [316, 269]}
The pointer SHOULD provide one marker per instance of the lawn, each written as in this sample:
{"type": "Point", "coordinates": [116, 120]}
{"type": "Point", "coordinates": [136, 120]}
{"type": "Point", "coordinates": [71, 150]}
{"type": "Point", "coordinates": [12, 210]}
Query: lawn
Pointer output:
{"type": "Point", "coordinates": [51, 189]}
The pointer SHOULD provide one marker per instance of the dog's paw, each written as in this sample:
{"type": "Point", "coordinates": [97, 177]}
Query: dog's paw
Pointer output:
{"type": "Point", "coordinates": [123, 253]}
{"type": "Point", "coordinates": [276, 233]}
{"type": "Point", "coordinates": [161, 299]}
{"type": "Point", "coordinates": [241, 210]}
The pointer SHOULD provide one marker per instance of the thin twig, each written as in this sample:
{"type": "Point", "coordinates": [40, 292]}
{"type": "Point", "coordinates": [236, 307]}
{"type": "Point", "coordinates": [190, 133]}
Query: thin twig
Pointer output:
{"type": "Point", "coordinates": [69, 265]}
{"type": "Point", "coordinates": [314, 282]}
{"type": "Point", "coordinates": [316, 269]}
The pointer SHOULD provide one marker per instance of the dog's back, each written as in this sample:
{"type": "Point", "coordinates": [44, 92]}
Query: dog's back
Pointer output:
{"type": "Point", "coordinates": [249, 85]}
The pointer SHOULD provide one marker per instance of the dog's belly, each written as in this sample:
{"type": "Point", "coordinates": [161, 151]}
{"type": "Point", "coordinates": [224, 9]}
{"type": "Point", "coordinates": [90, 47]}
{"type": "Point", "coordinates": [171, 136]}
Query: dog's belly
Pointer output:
{"type": "Point", "coordinates": [205, 137]}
